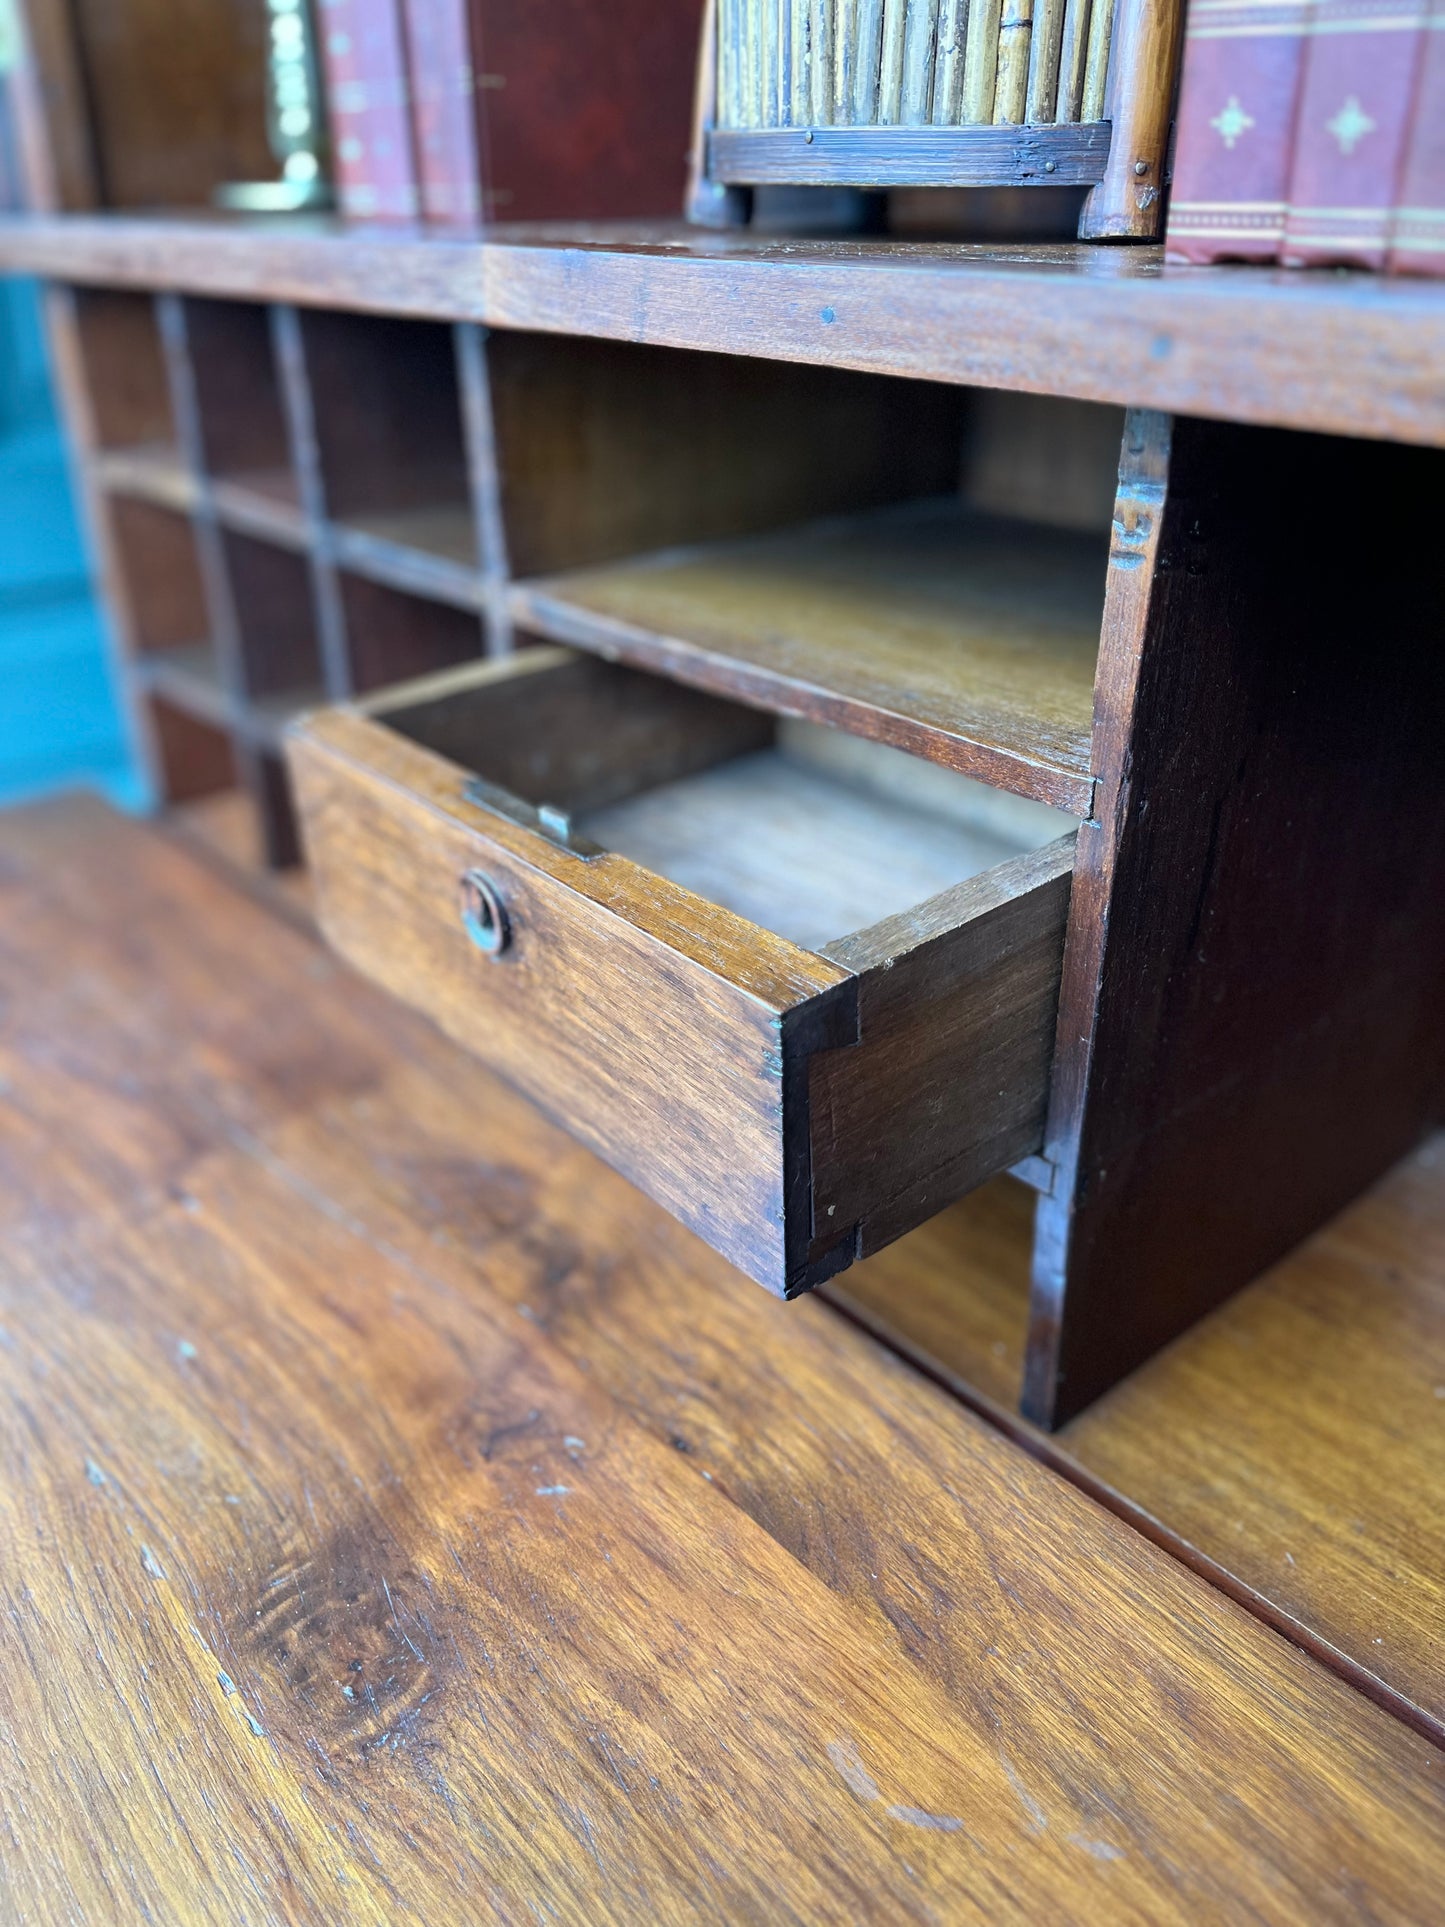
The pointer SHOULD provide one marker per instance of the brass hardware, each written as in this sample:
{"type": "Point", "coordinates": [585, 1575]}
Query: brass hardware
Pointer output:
{"type": "Point", "coordinates": [484, 916]}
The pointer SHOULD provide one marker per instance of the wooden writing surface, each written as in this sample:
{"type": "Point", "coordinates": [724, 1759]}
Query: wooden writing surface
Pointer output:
{"type": "Point", "coordinates": [305, 1332]}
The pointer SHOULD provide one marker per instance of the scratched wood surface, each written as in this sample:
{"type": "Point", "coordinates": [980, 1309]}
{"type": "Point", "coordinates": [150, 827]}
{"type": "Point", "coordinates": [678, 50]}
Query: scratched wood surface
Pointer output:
{"type": "Point", "coordinates": [1344, 353]}
{"type": "Point", "coordinates": [1294, 1440]}
{"type": "Point", "coordinates": [381, 1541]}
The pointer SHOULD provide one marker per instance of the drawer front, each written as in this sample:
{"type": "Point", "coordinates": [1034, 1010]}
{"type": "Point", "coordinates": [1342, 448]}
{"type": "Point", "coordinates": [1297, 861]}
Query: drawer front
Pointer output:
{"type": "Point", "coordinates": [673, 1042]}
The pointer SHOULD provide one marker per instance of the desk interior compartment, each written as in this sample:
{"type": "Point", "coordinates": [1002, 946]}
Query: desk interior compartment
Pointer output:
{"type": "Point", "coordinates": [906, 561]}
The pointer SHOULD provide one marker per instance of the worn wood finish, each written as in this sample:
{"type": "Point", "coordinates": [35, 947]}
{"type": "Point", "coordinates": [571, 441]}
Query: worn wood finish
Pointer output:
{"type": "Point", "coordinates": [1289, 1445]}
{"type": "Point", "coordinates": [677, 1039]}
{"type": "Point", "coordinates": [663, 1031]}
{"type": "Point", "coordinates": [403, 448]}
{"type": "Point", "coordinates": [288, 352]}
{"type": "Point", "coordinates": [957, 1002]}
{"type": "Point", "coordinates": [967, 639]}
{"type": "Point", "coordinates": [291, 1259]}
{"type": "Point", "coordinates": [555, 728]}
{"type": "Point", "coordinates": [62, 308]}
{"type": "Point", "coordinates": [1128, 203]}
{"type": "Point", "coordinates": [152, 473]}
{"type": "Point", "coordinates": [479, 436]}
{"type": "Point", "coordinates": [808, 852]}
{"type": "Point", "coordinates": [54, 147]}
{"type": "Point", "coordinates": [606, 450]}
{"type": "Point", "coordinates": [194, 757]}
{"type": "Point", "coordinates": [1351, 354]}
{"type": "Point", "coordinates": [1070, 156]}
{"type": "Point", "coordinates": [1251, 1008]}
{"type": "Point", "coordinates": [274, 618]}
{"type": "Point", "coordinates": [156, 551]}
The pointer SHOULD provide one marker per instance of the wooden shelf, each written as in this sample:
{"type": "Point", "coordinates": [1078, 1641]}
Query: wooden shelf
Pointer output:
{"type": "Point", "coordinates": [264, 503]}
{"type": "Point", "coordinates": [429, 551]}
{"type": "Point", "coordinates": [1350, 353]}
{"type": "Point", "coordinates": [152, 472]}
{"type": "Point", "coordinates": [189, 679]}
{"type": "Point", "coordinates": [967, 639]}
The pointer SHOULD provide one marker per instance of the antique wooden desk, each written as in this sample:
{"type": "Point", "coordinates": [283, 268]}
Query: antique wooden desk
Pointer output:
{"type": "Point", "coordinates": [404, 1519]}
{"type": "Point", "coordinates": [1183, 607]}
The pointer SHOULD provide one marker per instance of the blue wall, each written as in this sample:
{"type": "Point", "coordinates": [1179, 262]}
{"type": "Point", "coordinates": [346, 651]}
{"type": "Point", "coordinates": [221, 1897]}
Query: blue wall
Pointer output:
{"type": "Point", "coordinates": [60, 721]}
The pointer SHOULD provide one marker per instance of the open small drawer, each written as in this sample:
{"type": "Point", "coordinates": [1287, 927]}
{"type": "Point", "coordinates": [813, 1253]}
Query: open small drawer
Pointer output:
{"type": "Point", "coordinates": [799, 988]}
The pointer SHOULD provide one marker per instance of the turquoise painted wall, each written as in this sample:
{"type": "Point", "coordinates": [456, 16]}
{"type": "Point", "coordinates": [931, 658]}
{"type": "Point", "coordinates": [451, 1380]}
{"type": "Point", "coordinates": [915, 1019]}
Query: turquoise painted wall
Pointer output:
{"type": "Point", "coordinates": [60, 721]}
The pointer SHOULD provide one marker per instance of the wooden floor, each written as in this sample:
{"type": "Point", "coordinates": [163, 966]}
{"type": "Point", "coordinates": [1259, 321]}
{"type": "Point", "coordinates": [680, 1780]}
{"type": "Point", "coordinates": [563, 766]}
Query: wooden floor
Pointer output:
{"type": "Point", "coordinates": [403, 1520]}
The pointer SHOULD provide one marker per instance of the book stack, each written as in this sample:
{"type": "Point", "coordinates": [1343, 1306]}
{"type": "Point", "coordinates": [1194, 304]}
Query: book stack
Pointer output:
{"type": "Point", "coordinates": [1312, 133]}
{"type": "Point", "coordinates": [459, 111]}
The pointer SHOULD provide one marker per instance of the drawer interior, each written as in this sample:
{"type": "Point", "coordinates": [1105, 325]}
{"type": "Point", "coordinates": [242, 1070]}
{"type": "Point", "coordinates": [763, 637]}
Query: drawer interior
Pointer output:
{"type": "Point", "coordinates": [805, 832]}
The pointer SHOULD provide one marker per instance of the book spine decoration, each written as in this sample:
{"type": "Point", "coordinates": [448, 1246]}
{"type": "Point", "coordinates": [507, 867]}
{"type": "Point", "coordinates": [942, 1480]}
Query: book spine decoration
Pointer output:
{"type": "Point", "coordinates": [1354, 114]}
{"type": "Point", "coordinates": [1238, 106]}
{"type": "Point", "coordinates": [1417, 235]}
{"type": "Point", "coordinates": [365, 67]}
{"type": "Point", "coordinates": [444, 111]}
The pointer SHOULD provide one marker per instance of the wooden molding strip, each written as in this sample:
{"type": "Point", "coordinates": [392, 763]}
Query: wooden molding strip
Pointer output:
{"type": "Point", "coordinates": [1067, 156]}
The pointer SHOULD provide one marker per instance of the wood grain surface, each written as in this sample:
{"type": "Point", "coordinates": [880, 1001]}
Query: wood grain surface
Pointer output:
{"type": "Point", "coordinates": [1353, 354]}
{"type": "Point", "coordinates": [795, 1100]}
{"type": "Point", "coordinates": [669, 1034]}
{"type": "Point", "coordinates": [969, 639]}
{"type": "Point", "coordinates": [1291, 1443]}
{"type": "Point", "coordinates": [1251, 1024]}
{"type": "Point", "coordinates": [386, 1543]}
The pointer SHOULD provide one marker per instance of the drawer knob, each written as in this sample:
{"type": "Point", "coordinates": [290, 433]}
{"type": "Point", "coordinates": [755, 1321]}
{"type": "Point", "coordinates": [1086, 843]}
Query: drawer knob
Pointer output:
{"type": "Point", "coordinates": [484, 916]}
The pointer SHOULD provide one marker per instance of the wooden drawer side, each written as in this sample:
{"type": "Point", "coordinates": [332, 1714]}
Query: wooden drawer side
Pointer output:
{"type": "Point", "coordinates": [948, 1084]}
{"type": "Point", "coordinates": [661, 1032]}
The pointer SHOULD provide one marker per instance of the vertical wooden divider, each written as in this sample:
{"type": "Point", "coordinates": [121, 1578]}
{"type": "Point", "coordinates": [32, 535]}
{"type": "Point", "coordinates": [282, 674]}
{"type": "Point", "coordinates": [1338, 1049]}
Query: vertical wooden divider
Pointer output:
{"type": "Point", "coordinates": [258, 765]}
{"type": "Point", "coordinates": [289, 350]}
{"type": "Point", "coordinates": [1252, 1026]}
{"type": "Point", "coordinates": [474, 384]}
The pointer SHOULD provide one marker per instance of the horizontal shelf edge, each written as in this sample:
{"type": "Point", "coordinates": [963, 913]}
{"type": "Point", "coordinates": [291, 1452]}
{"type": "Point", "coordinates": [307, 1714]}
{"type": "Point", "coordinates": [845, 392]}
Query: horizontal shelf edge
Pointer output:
{"type": "Point", "coordinates": [1068, 155]}
{"type": "Point", "coordinates": [543, 611]}
{"type": "Point", "coordinates": [1343, 352]}
{"type": "Point", "coordinates": [412, 571]}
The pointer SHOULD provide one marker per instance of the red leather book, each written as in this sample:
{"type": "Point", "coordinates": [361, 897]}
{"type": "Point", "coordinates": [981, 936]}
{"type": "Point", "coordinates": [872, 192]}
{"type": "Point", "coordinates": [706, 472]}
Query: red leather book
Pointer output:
{"type": "Point", "coordinates": [1235, 129]}
{"type": "Point", "coordinates": [366, 93]}
{"type": "Point", "coordinates": [1354, 113]}
{"type": "Point", "coordinates": [1417, 233]}
{"type": "Point", "coordinates": [444, 110]}
{"type": "Point", "coordinates": [585, 108]}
